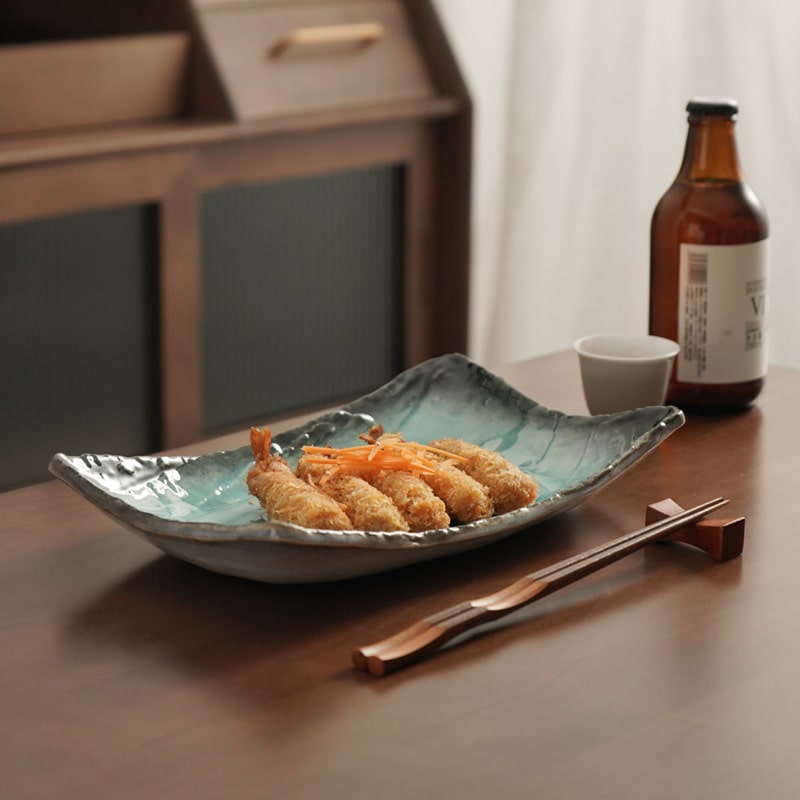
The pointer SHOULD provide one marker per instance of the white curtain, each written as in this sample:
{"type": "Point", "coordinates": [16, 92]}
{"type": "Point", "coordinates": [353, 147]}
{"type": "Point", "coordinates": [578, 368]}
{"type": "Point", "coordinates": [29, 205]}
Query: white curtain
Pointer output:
{"type": "Point", "coordinates": [579, 129]}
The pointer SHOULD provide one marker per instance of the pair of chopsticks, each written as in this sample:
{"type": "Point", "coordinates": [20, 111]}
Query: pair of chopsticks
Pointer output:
{"type": "Point", "coordinates": [430, 633]}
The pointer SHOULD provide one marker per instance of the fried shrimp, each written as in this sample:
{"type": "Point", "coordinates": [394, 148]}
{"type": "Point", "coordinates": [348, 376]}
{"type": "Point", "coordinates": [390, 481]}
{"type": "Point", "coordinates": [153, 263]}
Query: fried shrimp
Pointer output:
{"type": "Point", "coordinates": [509, 487]}
{"type": "Point", "coordinates": [416, 501]}
{"type": "Point", "coordinates": [387, 483]}
{"type": "Point", "coordinates": [286, 497]}
{"type": "Point", "coordinates": [466, 500]}
{"type": "Point", "coordinates": [367, 507]}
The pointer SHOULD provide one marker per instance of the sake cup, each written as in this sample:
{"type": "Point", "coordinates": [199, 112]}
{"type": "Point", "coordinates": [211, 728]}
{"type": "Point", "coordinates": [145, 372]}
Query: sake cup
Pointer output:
{"type": "Point", "coordinates": [621, 372]}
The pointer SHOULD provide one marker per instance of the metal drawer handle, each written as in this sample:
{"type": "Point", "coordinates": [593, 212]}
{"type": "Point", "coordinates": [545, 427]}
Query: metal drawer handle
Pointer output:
{"type": "Point", "coordinates": [361, 33]}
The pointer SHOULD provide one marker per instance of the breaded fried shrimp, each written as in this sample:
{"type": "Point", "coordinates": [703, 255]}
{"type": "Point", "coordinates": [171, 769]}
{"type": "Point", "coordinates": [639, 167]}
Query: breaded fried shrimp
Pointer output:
{"type": "Point", "coordinates": [286, 497]}
{"type": "Point", "coordinates": [466, 500]}
{"type": "Point", "coordinates": [367, 507]}
{"type": "Point", "coordinates": [509, 487]}
{"type": "Point", "coordinates": [387, 484]}
{"type": "Point", "coordinates": [416, 501]}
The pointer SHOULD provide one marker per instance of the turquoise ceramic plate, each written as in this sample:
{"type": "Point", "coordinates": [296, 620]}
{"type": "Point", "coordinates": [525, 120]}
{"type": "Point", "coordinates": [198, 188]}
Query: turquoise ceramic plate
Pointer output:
{"type": "Point", "coordinates": [198, 508]}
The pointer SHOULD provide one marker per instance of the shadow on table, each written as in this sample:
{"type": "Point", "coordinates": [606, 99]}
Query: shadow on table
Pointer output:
{"type": "Point", "coordinates": [217, 623]}
{"type": "Point", "coordinates": [286, 648]}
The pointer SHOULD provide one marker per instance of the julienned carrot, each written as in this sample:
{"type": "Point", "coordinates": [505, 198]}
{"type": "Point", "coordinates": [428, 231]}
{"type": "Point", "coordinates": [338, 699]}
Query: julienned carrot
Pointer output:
{"type": "Point", "coordinates": [372, 449]}
{"type": "Point", "coordinates": [363, 466]}
{"type": "Point", "coordinates": [388, 454]}
{"type": "Point", "coordinates": [334, 451]}
{"type": "Point", "coordinates": [381, 461]}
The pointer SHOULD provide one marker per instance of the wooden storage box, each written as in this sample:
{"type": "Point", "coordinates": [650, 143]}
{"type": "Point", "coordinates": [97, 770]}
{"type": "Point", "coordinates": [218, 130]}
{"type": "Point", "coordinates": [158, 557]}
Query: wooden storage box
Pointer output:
{"type": "Point", "coordinates": [284, 58]}
{"type": "Point", "coordinates": [77, 83]}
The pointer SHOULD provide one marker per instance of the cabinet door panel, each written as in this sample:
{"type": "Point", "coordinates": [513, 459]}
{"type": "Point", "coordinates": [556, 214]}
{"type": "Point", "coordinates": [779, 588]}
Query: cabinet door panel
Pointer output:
{"type": "Point", "coordinates": [301, 293]}
{"type": "Point", "coordinates": [78, 338]}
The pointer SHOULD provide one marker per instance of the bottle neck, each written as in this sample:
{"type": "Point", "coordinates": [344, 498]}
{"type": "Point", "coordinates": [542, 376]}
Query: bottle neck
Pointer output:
{"type": "Point", "coordinates": [710, 152]}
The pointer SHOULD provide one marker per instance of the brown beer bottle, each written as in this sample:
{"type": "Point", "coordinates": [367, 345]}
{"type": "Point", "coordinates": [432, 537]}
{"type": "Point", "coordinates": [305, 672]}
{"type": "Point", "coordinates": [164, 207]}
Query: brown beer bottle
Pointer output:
{"type": "Point", "coordinates": [709, 259]}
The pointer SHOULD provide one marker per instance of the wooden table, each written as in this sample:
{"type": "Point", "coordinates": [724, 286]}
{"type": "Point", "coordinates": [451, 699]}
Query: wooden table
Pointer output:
{"type": "Point", "coordinates": [126, 673]}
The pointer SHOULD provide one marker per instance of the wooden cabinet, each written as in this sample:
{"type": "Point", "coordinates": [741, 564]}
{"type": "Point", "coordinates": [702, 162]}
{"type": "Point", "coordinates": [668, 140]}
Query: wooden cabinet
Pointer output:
{"type": "Point", "coordinates": [252, 96]}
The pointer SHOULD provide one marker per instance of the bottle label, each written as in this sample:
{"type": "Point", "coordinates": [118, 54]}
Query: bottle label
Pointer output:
{"type": "Point", "coordinates": [722, 313]}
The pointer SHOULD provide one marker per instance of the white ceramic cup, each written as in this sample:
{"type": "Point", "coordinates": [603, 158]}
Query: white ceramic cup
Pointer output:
{"type": "Point", "coordinates": [621, 372]}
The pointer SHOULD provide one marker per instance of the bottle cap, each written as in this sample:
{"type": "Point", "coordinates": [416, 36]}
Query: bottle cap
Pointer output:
{"type": "Point", "coordinates": [713, 106]}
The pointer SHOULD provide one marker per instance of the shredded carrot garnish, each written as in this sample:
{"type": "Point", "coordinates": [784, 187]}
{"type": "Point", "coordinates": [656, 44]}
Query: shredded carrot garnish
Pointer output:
{"type": "Point", "coordinates": [388, 453]}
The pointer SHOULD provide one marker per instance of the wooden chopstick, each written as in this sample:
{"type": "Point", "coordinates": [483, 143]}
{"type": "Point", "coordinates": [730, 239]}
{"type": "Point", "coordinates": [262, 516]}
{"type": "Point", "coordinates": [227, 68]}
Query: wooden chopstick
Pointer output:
{"type": "Point", "coordinates": [430, 633]}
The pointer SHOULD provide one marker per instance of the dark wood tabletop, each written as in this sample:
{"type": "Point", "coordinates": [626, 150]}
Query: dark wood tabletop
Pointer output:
{"type": "Point", "coordinates": [126, 673]}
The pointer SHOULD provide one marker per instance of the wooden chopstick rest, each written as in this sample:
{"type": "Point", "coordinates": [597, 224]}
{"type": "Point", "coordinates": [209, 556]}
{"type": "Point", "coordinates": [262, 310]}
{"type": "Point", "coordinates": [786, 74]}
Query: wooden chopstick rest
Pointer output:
{"type": "Point", "coordinates": [721, 539]}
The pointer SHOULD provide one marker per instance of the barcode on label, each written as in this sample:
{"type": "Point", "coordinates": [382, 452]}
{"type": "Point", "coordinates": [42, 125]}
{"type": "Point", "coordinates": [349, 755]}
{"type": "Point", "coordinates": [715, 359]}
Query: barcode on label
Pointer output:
{"type": "Point", "coordinates": [698, 268]}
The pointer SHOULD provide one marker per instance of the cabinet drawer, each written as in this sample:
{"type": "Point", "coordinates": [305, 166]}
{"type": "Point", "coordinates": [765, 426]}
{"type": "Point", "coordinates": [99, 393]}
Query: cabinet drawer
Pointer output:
{"type": "Point", "coordinates": [297, 58]}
